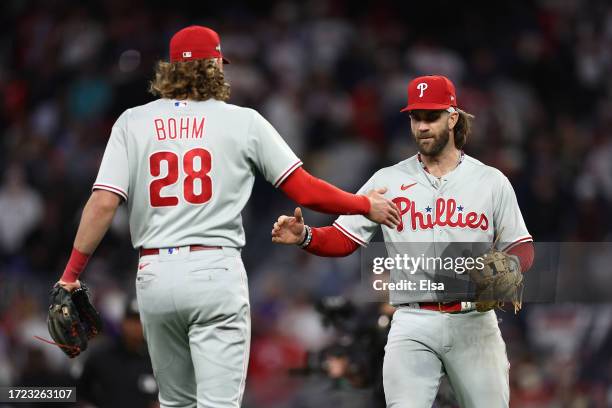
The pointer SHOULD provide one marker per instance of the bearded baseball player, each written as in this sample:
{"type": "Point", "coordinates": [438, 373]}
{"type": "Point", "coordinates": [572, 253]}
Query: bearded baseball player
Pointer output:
{"type": "Point", "coordinates": [444, 196]}
{"type": "Point", "coordinates": [185, 166]}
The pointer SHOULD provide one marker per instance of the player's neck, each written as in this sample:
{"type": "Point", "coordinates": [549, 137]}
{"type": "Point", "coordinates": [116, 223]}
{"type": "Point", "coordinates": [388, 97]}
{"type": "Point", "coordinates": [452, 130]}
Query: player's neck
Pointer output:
{"type": "Point", "coordinates": [442, 163]}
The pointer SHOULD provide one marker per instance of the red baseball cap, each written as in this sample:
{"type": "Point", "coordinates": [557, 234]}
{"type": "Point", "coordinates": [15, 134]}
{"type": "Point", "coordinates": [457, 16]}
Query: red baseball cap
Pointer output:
{"type": "Point", "coordinates": [431, 92]}
{"type": "Point", "coordinates": [194, 43]}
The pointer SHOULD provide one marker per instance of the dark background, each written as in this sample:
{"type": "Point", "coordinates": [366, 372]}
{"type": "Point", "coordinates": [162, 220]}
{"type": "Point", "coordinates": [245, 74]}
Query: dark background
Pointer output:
{"type": "Point", "coordinates": [331, 76]}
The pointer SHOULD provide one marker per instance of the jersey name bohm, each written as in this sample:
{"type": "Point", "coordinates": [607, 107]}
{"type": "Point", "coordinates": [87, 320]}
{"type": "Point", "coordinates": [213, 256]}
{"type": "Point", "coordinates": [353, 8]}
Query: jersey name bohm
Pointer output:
{"type": "Point", "coordinates": [446, 213]}
{"type": "Point", "coordinates": [185, 127]}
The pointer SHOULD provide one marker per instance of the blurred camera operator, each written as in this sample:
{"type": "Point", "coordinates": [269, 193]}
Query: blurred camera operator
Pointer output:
{"type": "Point", "coordinates": [347, 373]}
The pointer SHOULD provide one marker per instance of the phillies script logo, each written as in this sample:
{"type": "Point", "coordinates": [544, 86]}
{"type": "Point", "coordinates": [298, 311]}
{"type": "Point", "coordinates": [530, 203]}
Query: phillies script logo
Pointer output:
{"type": "Point", "coordinates": [445, 214]}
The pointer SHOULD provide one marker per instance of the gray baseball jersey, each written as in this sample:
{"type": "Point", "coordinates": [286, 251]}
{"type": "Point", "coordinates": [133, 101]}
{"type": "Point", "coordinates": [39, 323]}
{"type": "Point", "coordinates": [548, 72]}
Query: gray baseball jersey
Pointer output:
{"type": "Point", "coordinates": [472, 203]}
{"type": "Point", "coordinates": [187, 169]}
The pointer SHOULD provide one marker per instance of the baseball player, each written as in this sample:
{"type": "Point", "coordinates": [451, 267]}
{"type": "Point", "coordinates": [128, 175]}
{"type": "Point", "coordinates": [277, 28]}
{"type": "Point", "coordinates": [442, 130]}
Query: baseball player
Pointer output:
{"type": "Point", "coordinates": [185, 166]}
{"type": "Point", "coordinates": [444, 196]}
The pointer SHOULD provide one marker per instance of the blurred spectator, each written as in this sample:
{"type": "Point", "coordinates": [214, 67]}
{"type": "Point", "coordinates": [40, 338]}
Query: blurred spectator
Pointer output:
{"type": "Point", "coordinates": [119, 374]}
{"type": "Point", "coordinates": [21, 208]}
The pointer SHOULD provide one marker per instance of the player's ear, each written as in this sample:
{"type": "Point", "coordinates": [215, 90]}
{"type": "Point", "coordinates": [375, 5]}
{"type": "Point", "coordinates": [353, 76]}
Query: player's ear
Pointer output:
{"type": "Point", "coordinates": [453, 118]}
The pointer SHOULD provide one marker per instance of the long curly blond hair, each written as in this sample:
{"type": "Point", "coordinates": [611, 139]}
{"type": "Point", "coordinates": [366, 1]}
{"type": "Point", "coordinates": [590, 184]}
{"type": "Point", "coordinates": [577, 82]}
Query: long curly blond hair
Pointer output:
{"type": "Point", "coordinates": [196, 80]}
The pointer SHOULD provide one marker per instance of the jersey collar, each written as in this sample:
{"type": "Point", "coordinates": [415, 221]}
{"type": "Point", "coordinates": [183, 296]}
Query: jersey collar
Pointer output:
{"type": "Point", "coordinates": [424, 167]}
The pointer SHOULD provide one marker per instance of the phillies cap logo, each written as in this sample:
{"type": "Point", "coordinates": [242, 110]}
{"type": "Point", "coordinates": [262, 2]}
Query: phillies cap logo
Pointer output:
{"type": "Point", "coordinates": [422, 86]}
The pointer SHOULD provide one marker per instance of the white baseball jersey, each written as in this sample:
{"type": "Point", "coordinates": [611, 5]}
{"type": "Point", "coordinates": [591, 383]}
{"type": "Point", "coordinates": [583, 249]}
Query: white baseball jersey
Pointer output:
{"type": "Point", "coordinates": [472, 203]}
{"type": "Point", "coordinates": [187, 169]}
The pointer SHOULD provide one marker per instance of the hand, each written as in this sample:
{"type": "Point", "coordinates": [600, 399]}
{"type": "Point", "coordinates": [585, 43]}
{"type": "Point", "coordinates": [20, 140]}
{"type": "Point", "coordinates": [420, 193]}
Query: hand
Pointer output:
{"type": "Point", "coordinates": [289, 230]}
{"type": "Point", "coordinates": [383, 211]}
{"type": "Point", "coordinates": [70, 286]}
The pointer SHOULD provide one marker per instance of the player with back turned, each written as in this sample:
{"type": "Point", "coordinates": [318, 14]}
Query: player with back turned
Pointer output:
{"type": "Point", "coordinates": [444, 197]}
{"type": "Point", "coordinates": [185, 166]}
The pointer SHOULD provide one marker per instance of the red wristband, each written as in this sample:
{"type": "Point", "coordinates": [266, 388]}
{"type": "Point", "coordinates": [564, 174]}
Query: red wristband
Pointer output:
{"type": "Point", "coordinates": [76, 265]}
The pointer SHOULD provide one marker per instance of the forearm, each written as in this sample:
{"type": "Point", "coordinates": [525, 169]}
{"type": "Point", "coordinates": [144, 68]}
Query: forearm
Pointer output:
{"type": "Point", "coordinates": [318, 195]}
{"type": "Point", "coordinates": [330, 242]}
{"type": "Point", "coordinates": [95, 221]}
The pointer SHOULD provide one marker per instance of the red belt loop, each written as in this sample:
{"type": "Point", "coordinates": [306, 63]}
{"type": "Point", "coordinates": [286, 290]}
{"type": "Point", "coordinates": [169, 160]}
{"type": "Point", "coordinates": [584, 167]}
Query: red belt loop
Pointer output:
{"type": "Point", "coordinates": [192, 248]}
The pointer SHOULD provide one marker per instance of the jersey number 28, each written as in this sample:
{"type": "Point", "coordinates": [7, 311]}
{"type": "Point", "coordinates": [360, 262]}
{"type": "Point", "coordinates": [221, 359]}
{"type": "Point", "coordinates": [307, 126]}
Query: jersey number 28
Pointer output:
{"type": "Point", "coordinates": [191, 175]}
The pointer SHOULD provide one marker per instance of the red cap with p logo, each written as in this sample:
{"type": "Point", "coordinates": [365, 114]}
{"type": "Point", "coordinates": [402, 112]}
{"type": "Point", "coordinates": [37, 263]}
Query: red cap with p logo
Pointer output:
{"type": "Point", "coordinates": [194, 43]}
{"type": "Point", "coordinates": [432, 92]}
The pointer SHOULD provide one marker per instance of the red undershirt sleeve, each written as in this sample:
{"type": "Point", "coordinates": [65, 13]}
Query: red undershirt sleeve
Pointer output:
{"type": "Point", "coordinates": [329, 241]}
{"type": "Point", "coordinates": [525, 253]}
{"type": "Point", "coordinates": [318, 195]}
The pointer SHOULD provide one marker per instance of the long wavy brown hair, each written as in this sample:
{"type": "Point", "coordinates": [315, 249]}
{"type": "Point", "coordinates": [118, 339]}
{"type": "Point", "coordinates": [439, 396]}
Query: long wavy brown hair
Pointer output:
{"type": "Point", "coordinates": [462, 128]}
{"type": "Point", "coordinates": [196, 80]}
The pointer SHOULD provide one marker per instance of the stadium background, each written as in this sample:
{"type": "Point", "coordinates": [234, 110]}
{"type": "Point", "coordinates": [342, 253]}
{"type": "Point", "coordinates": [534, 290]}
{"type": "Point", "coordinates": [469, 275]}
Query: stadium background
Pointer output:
{"type": "Point", "coordinates": [331, 77]}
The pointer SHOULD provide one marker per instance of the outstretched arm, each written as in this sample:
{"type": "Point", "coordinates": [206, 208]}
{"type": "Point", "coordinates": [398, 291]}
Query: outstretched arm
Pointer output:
{"type": "Point", "coordinates": [95, 221]}
{"type": "Point", "coordinates": [280, 166]}
{"type": "Point", "coordinates": [321, 196]}
{"type": "Point", "coordinates": [325, 241]}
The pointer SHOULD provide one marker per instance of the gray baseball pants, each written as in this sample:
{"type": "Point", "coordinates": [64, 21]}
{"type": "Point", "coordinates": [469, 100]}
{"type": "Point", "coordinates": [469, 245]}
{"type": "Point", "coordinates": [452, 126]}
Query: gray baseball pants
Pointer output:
{"type": "Point", "coordinates": [468, 347]}
{"type": "Point", "coordinates": [194, 308]}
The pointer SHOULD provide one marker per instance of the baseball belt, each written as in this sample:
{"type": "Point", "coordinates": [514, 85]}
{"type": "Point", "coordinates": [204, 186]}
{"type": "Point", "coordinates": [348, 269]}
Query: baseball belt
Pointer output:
{"type": "Point", "coordinates": [450, 307]}
{"type": "Point", "coordinates": [192, 248]}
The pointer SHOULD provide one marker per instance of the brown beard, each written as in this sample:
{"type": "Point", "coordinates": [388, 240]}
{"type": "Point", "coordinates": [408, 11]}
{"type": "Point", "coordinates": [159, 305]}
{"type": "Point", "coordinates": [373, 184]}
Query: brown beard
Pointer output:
{"type": "Point", "coordinates": [439, 143]}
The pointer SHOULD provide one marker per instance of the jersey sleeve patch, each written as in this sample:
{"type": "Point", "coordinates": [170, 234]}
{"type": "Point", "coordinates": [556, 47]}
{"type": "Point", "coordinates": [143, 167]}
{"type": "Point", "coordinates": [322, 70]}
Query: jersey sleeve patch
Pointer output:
{"type": "Point", "coordinates": [112, 189]}
{"type": "Point", "coordinates": [287, 172]}
{"type": "Point", "coordinates": [351, 236]}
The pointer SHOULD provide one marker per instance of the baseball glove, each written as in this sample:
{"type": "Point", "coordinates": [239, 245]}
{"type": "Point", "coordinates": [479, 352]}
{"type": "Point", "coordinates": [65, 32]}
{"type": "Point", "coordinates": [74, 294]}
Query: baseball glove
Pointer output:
{"type": "Point", "coordinates": [498, 281]}
{"type": "Point", "coordinates": [72, 320]}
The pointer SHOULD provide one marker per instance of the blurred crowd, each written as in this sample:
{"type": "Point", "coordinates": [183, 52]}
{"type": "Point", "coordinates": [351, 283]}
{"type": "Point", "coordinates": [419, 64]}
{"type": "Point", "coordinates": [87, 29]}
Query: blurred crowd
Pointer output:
{"type": "Point", "coordinates": [331, 76]}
